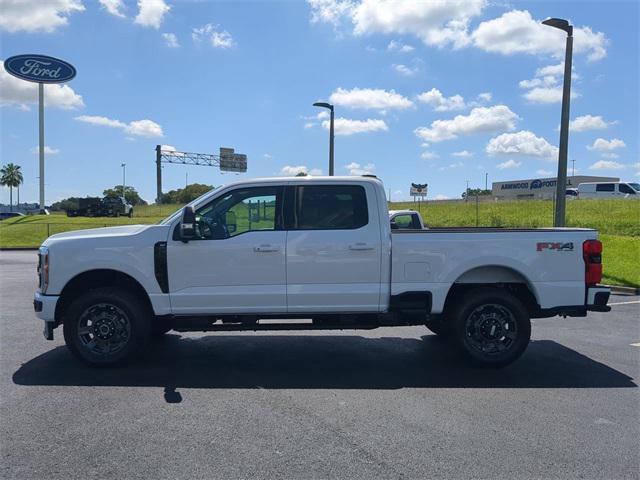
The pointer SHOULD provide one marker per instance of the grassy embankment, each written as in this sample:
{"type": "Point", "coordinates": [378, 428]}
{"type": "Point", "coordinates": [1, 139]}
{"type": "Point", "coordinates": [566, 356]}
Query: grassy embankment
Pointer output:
{"type": "Point", "coordinates": [618, 222]}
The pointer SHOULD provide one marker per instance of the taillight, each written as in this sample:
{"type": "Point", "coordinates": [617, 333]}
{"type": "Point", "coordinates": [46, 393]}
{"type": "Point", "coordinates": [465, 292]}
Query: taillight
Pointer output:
{"type": "Point", "coordinates": [592, 254]}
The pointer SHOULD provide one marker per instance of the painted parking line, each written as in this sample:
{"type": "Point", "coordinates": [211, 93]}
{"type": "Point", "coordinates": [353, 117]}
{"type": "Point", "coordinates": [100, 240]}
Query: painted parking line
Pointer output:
{"type": "Point", "coordinates": [624, 303]}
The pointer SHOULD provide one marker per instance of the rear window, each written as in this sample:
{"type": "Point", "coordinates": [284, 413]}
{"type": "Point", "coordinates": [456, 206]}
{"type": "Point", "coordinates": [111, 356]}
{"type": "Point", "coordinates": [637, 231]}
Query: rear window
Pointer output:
{"type": "Point", "coordinates": [606, 187]}
{"type": "Point", "coordinates": [331, 207]}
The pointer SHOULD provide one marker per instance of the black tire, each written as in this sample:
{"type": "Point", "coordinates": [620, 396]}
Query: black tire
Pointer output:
{"type": "Point", "coordinates": [131, 213]}
{"type": "Point", "coordinates": [491, 326]}
{"type": "Point", "coordinates": [160, 326]}
{"type": "Point", "coordinates": [106, 327]}
{"type": "Point", "coordinates": [441, 326]}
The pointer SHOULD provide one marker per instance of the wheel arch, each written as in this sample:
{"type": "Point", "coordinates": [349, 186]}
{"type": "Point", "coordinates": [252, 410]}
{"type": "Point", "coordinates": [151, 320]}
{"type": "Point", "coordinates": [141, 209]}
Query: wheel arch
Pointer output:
{"type": "Point", "coordinates": [495, 276]}
{"type": "Point", "coordinates": [98, 278]}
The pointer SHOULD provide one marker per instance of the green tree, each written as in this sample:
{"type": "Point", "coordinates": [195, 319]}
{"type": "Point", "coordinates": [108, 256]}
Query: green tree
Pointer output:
{"type": "Point", "coordinates": [476, 191]}
{"type": "Point", "coordinates": [11, 176]}
{"type": "Point", "coordinates": [185, 195]}
{"type": "Point", "coordinates": [130, 194]}
{"type": "Point", "coordinates": [301, 174]}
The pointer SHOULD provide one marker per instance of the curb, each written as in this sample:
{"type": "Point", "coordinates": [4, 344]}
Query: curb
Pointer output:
{"type": "Point", "coordinates": [624, 290]}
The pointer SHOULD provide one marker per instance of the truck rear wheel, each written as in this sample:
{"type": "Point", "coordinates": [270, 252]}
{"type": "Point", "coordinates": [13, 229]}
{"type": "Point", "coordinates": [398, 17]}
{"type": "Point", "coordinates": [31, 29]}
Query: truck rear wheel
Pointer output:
{"type": "Point", "coordinates": [491, 326]}
{"type": "Point", "coordinates": [106, 327]}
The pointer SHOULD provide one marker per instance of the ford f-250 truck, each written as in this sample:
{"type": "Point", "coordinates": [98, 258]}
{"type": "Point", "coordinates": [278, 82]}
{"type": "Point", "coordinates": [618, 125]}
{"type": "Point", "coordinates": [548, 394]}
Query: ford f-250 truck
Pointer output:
{"type": "Point", "coordinates": [320, 250]}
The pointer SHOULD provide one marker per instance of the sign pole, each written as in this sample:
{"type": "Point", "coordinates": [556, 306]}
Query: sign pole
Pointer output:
{"type": "Point", "coordinates": [41, 136]}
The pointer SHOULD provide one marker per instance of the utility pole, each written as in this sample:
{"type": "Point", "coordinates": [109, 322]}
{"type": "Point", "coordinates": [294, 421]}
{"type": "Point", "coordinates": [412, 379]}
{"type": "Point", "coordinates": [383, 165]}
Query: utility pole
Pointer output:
{"type": "Point", "coordinates": [186, 179]}
{"type": "Point", "coordinates": [331, 135]}
{"type": "Point", "coordinates": [124, 178]}
{"type": "Point", "coordinates": [573, 167]}
{"type": "Point", "coordinates": [561, 184]}
{"type": "Point", "coordinates": [486, 180]}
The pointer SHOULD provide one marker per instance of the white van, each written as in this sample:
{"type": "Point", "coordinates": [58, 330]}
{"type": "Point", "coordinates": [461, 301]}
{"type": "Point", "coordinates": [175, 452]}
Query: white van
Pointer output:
{"type": "Point", "coordinates": [609, 190]}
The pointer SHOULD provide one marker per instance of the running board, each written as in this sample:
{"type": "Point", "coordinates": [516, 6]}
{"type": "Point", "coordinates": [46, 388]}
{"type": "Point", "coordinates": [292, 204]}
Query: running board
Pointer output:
{"type": "Point", "coordinates": [254, 327]}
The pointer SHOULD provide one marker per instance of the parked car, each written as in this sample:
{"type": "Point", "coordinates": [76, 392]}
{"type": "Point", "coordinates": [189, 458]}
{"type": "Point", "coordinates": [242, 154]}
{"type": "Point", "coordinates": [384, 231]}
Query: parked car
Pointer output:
{"type": "Point", "coordinates": [316, 249]}
{"type": "Point", "coordinates": [5, 215]}
{"type": "Point", "coordinates": [572, 193]}
{"type": "Point", "coordinates": [609, 190]}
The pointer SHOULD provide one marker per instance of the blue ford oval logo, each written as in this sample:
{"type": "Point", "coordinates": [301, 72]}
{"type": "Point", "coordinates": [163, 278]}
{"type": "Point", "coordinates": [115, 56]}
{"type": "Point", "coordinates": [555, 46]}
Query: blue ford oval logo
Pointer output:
{"type": "Point", "coordinates": [39, 68]}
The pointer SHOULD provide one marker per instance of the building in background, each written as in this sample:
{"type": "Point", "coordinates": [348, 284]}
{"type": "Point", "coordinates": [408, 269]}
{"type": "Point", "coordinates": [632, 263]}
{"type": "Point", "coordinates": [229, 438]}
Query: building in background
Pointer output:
{"type": "Point", "coordinates": [537, 188]}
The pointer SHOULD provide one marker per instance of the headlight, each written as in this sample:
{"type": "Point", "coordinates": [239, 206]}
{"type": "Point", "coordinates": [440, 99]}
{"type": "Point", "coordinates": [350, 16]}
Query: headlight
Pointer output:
{"type": "Point", "coordinates": [43, 265]}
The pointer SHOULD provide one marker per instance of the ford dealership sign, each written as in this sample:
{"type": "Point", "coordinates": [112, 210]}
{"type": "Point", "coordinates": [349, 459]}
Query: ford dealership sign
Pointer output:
{"type": "Point", "coordinates": [39, 68]}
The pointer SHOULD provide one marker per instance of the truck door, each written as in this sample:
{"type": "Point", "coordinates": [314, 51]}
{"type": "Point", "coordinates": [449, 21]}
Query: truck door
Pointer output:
{"type": "Point", "coordinates": [237, 263]}
{"type": "Point", "coordinates": [333, 249]}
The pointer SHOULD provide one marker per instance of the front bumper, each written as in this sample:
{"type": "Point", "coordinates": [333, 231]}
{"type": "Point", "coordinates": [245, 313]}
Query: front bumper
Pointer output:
{"type": "Point", "coordinates": [45, 308]}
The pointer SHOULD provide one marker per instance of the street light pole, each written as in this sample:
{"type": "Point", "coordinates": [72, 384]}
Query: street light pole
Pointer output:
{"type": "Point", "coordinates": [486, 181]}
{"type": "Point", "coordinates": [561, 185]}
{"type": "Point", "coordinates": [331, 135]}
{"type": "Point", "coordinates": [124, 169]}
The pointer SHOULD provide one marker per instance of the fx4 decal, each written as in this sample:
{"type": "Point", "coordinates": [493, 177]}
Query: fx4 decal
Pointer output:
{"type": "Point", "coordinates": [558, 246]}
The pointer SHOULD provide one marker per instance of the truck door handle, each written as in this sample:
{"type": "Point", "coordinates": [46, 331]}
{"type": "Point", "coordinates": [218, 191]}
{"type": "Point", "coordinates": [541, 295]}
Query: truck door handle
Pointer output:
{"type": "Point", "coordinates": [266, 248]}
{"type": "Point", "coordinates": [360, 246]}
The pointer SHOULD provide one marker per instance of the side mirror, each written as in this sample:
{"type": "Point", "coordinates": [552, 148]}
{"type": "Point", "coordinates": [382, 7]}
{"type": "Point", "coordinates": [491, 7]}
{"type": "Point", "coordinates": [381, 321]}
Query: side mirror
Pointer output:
{"type": "Point", "coordinates": [188, 224]}
{"type": "Point", "coordinates": [231, 222]}
{"type": "Point", "coordinates": [394, 225]}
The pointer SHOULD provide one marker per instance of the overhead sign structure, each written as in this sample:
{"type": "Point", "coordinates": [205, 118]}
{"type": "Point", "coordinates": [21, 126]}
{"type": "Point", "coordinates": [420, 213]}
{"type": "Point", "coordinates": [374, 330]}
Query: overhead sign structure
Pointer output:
{"type": "Point", "coordinates": [418, 190]}
{"type": "Point", "coordinates": [227, 161]}
{"type": "Point", "coordinates": [40, 69]}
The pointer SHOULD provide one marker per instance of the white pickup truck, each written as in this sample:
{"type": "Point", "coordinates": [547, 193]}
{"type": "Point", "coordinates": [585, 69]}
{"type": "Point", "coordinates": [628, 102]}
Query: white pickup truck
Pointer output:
{"type": "Point", "coordinates": [320, 250]}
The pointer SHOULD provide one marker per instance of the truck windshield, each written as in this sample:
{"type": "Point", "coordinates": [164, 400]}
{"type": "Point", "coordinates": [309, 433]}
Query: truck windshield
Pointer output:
{"type": "Point", "coordinates": [635, 186]}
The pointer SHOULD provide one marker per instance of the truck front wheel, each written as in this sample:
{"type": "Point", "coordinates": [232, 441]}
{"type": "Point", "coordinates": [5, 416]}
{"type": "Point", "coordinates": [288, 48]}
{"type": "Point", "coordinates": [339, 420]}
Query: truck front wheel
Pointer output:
{"type": "Point", "coordinates": [491, 326]}
{"type": "Point", "coordinates": [106, 326]}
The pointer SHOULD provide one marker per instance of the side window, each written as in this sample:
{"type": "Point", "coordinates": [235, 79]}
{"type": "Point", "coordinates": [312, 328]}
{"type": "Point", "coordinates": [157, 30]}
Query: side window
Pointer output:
{"type": "Point", "coordinates": [624, 188]}
{"type": "Point", "coordinates": [605, 187]}
{"type": "Point", "coordinates": [330, 207]}
{"type": "Point", "coordinates": [404, 221]}
{"type": "Point", "coordinates": [240, 211]}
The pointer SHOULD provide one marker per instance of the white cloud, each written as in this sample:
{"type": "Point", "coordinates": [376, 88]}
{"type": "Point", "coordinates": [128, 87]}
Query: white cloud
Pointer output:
{"type": "Point", "coordinates": [587, 122]}
{"type": "Point", "coordinates": [16, 92]}
{"type": "Point", "coordinates": [485, 96]}
{"type": "Point", "coordinates": [451, 166]}
{"type": "Point", "coordinates": [547, 95]}
{"type": "Point", "coordinates": [292, 171]}
{"type": "Point", "coordinates": [355, 168]}
{"type": "Point", "coordinates": [429, 155]}
{"type": "Point", "coordinates": [404, 70]}
{"type": "Point", "coordinates": [544, 173]}
{"type": "Point", "coordinates": [217, 38]}
{"type": "Point", "coordinates": [330, 11]}
{"type": "Point", "coordinates": [546, 81]}
{"type": "Point", "coordinates": [171, 40]}
{"type": "Point", "coordinates": [610, 155]}
{"type": "Point", "coordinates": [267, 156]}
{"type": "Point", "coordinates": [517, 32]}
{"type": "Point", "coordinates": [508, 164]}
{"type": "Point", "coordinates": [462, 153]}
{"type": "Point", "coordinates": [369, 98]}
{"type": "Point", "coordinates": [441, 197]}
{"type": "Point", "coordinates": [37, 15]}
{"type": "Point", "coordinates": [347, 126]}
{"type": "Point", "coordinates": [47, 150]}
{"type": "Point", "coordinates": [308, 125]}
{"type": "Point", "coordinates": [551, 70]}
{"type": "Point", "coordinates": [603, 145]}
{"type": "Point", "coordinates": [480, 120]}
{"type": "Point", "coordinates": [113, 7]}
{"type": "Point", "coordinates": [395, 46]}
{"type": "Point", "coordinates": [439, 102]}
{"type": "Point", "coordinates": [523, 143]}
{"type": "Point", "coordinates": [322, 115]}
{"type": "Point", "coordinates": [151, 13]}
{"type": "Point", "coordinates": [607, 165]}
{"type": "Point", "coordinates": [139, 128]}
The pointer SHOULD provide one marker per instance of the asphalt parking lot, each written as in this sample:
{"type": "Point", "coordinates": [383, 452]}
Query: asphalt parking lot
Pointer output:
{"type": "Point", "coordinates": [387, 403]}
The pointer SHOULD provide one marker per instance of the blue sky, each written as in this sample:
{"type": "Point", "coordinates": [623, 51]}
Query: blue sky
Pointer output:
{"type": "Point", "coordinates": [427, 92]}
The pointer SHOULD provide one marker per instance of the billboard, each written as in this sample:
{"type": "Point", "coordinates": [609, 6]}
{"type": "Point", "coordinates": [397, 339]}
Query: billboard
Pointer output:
{"type": "Point", "coordinates": [418, 190]}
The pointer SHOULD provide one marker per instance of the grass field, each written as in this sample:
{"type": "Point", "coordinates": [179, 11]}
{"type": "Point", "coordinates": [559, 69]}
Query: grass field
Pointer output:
{"type": "Point", "coordinates": [618, 222]}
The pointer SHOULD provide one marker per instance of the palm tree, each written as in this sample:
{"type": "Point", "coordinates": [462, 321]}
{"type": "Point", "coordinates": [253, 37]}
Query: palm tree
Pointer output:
{"type": "Point", "coordinates": [11, 176]}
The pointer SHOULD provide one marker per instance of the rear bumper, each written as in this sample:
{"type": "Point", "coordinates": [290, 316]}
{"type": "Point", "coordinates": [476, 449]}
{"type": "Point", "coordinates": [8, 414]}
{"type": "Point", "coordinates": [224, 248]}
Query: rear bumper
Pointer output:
{"type": "Point", "coordinates": [596, 300]}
